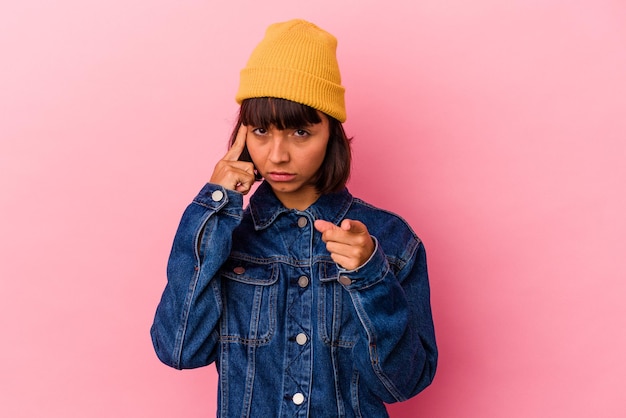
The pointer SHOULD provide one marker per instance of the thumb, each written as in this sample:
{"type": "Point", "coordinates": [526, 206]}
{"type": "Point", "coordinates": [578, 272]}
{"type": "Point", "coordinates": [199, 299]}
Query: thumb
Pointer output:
{"type": "Point", "coordinates": [323, 226]}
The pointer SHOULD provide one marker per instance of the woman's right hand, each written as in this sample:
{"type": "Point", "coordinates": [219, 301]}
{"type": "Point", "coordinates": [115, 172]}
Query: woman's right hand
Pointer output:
{"type": "Point", "coordinates": [231, 173]}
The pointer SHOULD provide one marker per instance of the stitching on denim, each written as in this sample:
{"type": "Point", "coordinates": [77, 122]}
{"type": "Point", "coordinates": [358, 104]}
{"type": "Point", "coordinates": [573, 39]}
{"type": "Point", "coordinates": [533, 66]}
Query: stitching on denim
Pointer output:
{"type": "Point", "coordinates": [375, 361]}
{"type": "Point", "coordinates": [395, 215]}
{"type": "Point", "coordinates": [236, 214]}
{"type": "Point", "coordinates": [180, 334]}
{"type": "Point", "coordinates": [250, 372]}
{"type": "Point", "coordinates": [354, 389]}
{"type": "Point", "coordinates": [333, 287]}
{"type": "Point", "coordinates": [223, 379]}
{"type": "Point", "coordinates": [337, 312]}
{"type": "Point", "coordinates": [278, 259]}
{"type": "Point", "coordinates": [262, 290]}
{"type": "Point", "coordinates": [341, 409]}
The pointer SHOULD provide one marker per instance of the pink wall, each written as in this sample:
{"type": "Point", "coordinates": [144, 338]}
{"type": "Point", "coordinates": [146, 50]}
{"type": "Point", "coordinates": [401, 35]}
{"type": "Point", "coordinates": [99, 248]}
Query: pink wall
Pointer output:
{"type": "Point", "coordinates": [496, 128]}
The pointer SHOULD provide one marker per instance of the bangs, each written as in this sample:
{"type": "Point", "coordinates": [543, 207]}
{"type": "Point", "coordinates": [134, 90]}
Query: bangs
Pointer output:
{"type": "Point", "coordinates": [264, 112]}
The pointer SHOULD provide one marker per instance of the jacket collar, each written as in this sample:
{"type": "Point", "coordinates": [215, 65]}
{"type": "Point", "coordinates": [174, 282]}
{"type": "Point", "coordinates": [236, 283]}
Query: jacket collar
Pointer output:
{"type": "Point", "coordinates": [265, 206]}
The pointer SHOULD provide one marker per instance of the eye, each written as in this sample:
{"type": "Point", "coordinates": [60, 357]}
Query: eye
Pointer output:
{"type": "Point", "coordinates": [302, 133]}
{"type": "Point", "coordinates": [259, 131]}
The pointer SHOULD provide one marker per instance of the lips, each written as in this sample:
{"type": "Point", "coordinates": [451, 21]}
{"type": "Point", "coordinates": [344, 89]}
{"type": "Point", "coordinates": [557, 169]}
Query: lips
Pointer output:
{"type": "Point", "coordinates": [280, 176]}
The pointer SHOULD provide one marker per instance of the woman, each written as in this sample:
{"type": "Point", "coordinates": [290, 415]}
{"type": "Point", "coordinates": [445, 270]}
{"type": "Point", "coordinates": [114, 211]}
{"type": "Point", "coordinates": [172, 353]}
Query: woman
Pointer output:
{"type": "Point", "coordinates": [310, 302]}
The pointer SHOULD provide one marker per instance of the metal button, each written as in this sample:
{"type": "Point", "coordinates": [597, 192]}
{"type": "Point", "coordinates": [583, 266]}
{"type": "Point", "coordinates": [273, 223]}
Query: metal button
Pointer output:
{"type": "Point", "coordinates": [345, 280]}
{"type": "Point", "coordinates": [239, 270]}
{"type": "Point", "coordinates": [217, 195]}
{"type": "Point", "coordinates": [301, 338]}
{"type": "Point", "coordinates": [303, 281]}
{"type": "Point", "coordinates": [302, 221]}
{"type": "Point", "coordinates": [298, 398]}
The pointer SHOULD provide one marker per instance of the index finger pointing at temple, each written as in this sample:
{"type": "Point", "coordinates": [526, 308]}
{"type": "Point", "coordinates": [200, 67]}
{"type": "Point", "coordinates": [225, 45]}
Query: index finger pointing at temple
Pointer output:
{"type": "Point", "coordinates": [240, 142]}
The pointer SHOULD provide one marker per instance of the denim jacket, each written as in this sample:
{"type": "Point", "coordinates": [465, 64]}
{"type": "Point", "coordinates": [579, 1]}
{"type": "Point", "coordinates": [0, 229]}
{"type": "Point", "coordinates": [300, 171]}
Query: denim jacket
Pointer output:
{"type": "Point", "coordinates": [291, 332]}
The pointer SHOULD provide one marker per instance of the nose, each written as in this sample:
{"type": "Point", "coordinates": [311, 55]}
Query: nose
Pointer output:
{"type": "Point", "coordinates": [279, 152]}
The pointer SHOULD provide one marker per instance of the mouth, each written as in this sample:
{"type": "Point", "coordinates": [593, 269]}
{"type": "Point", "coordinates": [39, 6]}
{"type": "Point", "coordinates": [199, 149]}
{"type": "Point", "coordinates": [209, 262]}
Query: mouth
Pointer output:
{"type": "Point", "coordinates": [280, 176]}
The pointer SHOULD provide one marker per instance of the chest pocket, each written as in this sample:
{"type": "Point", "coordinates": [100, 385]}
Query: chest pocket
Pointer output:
{"type": "Point", "coordinates": [339, 323]}
{"type": "Point", "coordinates": [249, 290]}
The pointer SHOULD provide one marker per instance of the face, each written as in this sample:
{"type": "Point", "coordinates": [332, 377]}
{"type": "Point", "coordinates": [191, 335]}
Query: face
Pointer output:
{"type": "Point", "coordinates": [289, 159]}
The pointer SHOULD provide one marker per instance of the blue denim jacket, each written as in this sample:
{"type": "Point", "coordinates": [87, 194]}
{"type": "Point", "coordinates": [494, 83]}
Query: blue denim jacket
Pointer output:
{"type": "Point", "coordinates": [293, 334]}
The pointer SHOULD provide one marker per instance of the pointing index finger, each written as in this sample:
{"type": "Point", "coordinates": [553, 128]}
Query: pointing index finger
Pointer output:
{"type": "Point", "coordinates": [240, 142]}
{"type": "Point", "coordinates": [354, 227]}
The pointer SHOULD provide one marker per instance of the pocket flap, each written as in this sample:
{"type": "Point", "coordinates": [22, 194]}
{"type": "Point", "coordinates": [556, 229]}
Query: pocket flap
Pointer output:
{"type": "Point", "coordinates": [245, 271]}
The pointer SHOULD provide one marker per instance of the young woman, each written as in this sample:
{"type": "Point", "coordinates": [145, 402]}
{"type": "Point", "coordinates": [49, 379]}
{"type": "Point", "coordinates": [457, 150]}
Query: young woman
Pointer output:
{"type": "Point", "coordinates": [310, 301]}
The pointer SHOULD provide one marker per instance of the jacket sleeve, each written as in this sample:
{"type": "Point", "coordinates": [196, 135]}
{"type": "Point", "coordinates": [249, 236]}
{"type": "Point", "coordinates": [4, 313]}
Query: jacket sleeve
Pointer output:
{"type": "Point", "coordinates": [184, 332]}
{"type": "Point", "coordinates": [397, 356]}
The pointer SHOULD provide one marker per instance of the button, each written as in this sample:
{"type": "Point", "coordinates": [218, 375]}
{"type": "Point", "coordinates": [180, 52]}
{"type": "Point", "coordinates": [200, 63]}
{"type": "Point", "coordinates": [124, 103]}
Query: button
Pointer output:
{"type": "Point", "coordinates": [298, 398]}
{"type": "Point", "coordinates": [345, 280]}
{"type": "Point", "coordinates": [303, 281]}
{"type": "Point", "coordinates": [301, 338]}
{"type": "Point", "coordinates": [302, 221]}
{"type": "Point", "coordinates": [239, 270]}
{"type": "Point", "coordinates": [217, 195]}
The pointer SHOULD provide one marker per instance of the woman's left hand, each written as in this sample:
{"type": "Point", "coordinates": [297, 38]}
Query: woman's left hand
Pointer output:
{"type": "Point", "coordinates": [350, 244]}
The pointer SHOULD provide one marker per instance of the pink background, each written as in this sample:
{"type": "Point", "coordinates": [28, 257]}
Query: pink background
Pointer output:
{"type": "Point", "coordinates": [496, 128]}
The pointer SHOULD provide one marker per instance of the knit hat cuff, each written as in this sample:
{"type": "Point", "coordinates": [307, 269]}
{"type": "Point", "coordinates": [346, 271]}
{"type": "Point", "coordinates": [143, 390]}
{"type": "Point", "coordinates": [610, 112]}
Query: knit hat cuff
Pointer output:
{"type": "Point", "coordinates": [294, 85]}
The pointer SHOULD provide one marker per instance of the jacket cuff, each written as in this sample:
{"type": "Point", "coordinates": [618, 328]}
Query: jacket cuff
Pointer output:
{"type": "Point", "coordinates": [370, 273]}
{"type": "Point", "coordinates": [215, 197]}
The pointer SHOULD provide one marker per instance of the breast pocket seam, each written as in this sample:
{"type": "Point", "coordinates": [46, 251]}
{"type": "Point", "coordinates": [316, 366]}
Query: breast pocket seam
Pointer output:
{"type": "Point", "coordinates": [327, 286]}
{"type": "Point", "coordinates": [263, 288]}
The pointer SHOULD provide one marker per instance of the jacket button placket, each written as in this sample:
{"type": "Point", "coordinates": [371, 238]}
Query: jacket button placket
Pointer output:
{"type": "Point", "coordinates": [298, 366]}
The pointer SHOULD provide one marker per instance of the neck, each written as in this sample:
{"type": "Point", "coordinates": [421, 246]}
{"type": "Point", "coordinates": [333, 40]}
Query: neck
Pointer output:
{"type": "Point", "coordinates": [298, 201]}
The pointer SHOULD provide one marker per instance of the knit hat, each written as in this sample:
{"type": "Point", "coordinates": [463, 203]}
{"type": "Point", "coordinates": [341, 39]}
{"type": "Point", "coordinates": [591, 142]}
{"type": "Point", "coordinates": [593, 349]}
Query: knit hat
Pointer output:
{"type": "Point", "coordinates": [295, 61]}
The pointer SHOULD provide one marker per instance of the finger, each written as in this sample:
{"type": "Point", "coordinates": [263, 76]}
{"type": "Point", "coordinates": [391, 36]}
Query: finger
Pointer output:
{"type": "Point", "coordinates": [353, 226]}
{"type": "Point", "coordinates": [342, 249]}
{"type": "Point", "coordinates": [245, 166]}
{"type": "Point", "coordinates": [323, 226]}
{"type": "Point", "coordinates": [244, 187]}
{"type": "Point", "coordinates": [225, 168]}
{"type": "Point", "coordinates": [350, 231]}
{"type": "Point", "coordinates": [240, 142]}
{"type": "Point", "coordinates": [350, 255]}
{"type": "Point", "coordinates": [230, 174]}
{"type": "Point", "coordinates": [330, 231]}
{"type": "Point", "coordinates": [344, 262]}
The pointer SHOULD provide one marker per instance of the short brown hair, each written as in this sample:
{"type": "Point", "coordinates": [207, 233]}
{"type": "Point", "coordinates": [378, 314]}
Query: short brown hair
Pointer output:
{"type": "Point", "coordinates": [263, 112]}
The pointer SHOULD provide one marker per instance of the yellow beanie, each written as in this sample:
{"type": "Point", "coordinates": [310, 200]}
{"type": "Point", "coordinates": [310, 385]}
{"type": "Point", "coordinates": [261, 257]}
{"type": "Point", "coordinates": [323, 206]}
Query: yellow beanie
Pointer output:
{"type": "Point", "coordinates": [296, 61]}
